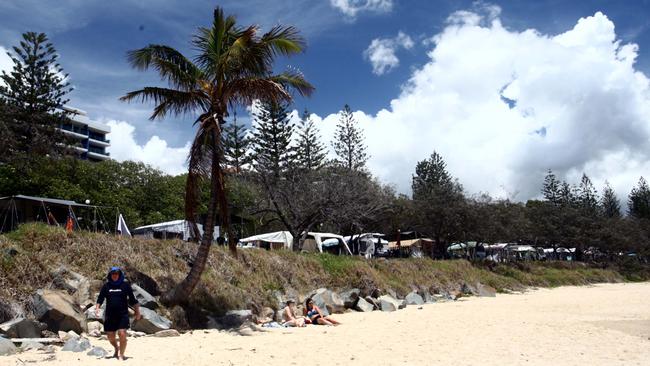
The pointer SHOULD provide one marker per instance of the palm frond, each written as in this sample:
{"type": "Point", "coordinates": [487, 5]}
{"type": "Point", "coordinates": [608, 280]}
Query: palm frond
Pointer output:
{"type": "Point", "coordinates": [294, 80]}
{"type": "Point", "coordinates": [170, 64]}
{"type": "Point", "coordinates": [244, 91]}
{"type": "Point", "coordinates": [283, 40]}
{"type": "Point", "coordinates": [169, 101]}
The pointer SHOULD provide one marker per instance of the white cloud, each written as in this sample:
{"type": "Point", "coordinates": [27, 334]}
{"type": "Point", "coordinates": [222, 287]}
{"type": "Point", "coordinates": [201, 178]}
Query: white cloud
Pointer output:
{"type": "Point", "coordinates": [503, 106]}
{"type": "Point", "coordinates": [155, 152]}
{"type": "Point", "coordinates": [382, 52]}
{"type": "Point", "coordinates": [351, 8]}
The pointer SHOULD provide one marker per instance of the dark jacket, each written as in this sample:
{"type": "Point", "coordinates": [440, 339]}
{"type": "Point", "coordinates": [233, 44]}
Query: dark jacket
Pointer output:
{"type": "Point", "coordinates": [118, 295]}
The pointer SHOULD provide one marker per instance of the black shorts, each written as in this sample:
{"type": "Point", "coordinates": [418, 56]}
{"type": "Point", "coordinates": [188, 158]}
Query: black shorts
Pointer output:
{"type": "Point", "coordinates": [114, 322]}
{"type": "Point", "coordinates": [315, 320]}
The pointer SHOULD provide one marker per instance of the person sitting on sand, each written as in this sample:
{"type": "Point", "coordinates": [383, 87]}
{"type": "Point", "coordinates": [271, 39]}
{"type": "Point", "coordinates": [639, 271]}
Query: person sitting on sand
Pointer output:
{"type": "Point", "coordinates": [316, 316]}
{"type": "Point", "coordinates": [119, 295]}
{"type": "Point", "coordinates": [289, 317]}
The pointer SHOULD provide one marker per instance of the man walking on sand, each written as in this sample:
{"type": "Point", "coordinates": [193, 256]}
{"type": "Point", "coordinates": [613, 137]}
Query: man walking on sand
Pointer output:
{"type": "Point", "coordinates": [119, 296]}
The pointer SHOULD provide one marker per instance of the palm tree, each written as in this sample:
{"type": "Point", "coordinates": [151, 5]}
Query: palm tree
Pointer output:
{"type": "Point", "coordinates": [233, 67]}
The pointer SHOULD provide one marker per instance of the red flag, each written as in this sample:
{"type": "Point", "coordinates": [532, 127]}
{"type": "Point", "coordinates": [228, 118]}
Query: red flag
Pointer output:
{"type": "Point", "coordinates": [69, 225]}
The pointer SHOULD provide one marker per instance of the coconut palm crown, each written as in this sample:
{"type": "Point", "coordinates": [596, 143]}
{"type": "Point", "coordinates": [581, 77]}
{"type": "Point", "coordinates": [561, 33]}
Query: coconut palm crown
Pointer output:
{"type": "Point", "coordinates": [233, 68]}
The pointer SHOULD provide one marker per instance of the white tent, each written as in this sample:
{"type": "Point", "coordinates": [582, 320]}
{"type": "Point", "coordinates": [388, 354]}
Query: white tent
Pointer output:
{"type": "Point", "coordinates": [367, 244]}
{"type": "Point", "coordinates": [278, 239]}
{"type": "Point", "coordinates": [315, 242]}
{"type": "Point", "coordinates": [180, 229]}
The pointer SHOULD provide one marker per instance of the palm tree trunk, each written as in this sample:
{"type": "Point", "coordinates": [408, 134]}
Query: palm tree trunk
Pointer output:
{"type": "Point", "coordinates": [183, 290]}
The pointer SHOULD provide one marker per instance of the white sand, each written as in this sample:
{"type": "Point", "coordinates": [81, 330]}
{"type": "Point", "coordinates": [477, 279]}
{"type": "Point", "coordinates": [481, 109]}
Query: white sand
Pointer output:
{"type": "Point", "coordinates": [597, 325]}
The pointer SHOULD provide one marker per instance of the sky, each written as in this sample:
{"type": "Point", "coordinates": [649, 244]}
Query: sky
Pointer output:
{"type": "Point", "coordinates": [503, 90]}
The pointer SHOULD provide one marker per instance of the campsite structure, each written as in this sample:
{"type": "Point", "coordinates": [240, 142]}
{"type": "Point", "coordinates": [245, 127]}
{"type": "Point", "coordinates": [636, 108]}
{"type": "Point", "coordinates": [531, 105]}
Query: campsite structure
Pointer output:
{"type": "Point", "coordinates": [20, 209]}
{"type": "Point", "coordinates": [177, 229]}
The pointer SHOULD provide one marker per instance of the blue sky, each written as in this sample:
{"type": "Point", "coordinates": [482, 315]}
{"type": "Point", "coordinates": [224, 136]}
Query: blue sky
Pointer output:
{"type": "Point", "coordinates": [93, 37]}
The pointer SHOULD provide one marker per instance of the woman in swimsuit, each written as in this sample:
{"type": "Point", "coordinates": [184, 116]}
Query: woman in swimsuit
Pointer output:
{"type": "Point", "coordinates": [314, 314]}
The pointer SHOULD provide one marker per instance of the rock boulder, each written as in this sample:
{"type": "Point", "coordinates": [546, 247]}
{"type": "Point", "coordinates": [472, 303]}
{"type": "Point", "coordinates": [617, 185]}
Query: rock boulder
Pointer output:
{"type": "Point", "coordinates": [167, 333]}
{"type": "Point", "coordinates": [74, 283]}
{"type": "Point", "coordinates": [57, 310]}
{"type": "Point", "coordinates": [26, 346]}
{"type": "Point", "coordinates": [486, 291]}
{"type": "Point", "coordinates": [7, 347]}
{"type": "Point", "coordinates": [22, 328]}
{"type": "Point", "coordinates": [76, 345]}
{"type": "Point", "coordinates": [97, 352]}
{"type": "Point", "coordinates": [413, 298]}
{"type": "Point", "coordinates": [364, 306]}
{"type": "Point", "coordinates": [328, 301]}
{"type": "Point", "coordinates": [374, 302]}
{"type": "Point", "coordinates": [151, 322]}
{"type": "Point", "coordinates": [350, 298]}
{"type": "Point", "coordinates": [144, 298]}
{"type": "Point", "coordinates": [388, 303]}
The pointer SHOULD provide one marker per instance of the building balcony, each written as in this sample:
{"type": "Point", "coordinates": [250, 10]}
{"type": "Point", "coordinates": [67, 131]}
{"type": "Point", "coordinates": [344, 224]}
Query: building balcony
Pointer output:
{"type": "Point", "coordinates": [98, 142]}
{"type": "Point", "coordinates": [104, 156]}
{"type": "Point", "coordinates": [73, 134]}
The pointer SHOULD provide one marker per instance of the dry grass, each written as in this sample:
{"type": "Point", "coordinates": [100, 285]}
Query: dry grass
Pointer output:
{"type": "Point", "coordinates": [253, 277]}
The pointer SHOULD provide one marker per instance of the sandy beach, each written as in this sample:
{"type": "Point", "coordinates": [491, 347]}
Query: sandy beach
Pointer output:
{"type": "Point", "coordinates": [605, 324]}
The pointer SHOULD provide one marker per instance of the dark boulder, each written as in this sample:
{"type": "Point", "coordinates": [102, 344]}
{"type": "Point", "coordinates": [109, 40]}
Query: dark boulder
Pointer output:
{"type": "Point", "coordinates": [350, 298]}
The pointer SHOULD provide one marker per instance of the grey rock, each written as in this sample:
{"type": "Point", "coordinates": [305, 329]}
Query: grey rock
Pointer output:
{"type": "Point", "coordinates": [167, 333]}
{"type": "Point", "coordinates": [467, 289]}
{"type": "Point", "coordinates": [401, 304]}
{"type": "Point", "coordinates": [375, 303]}
{"type": "Point", "coordinates": [265, 315]}
{"type": "Point", "coordinates": [92, 316]}
{"type": "Point", "coordinates": [328, 301]}
{"type": "Point", "coordinates": [151, 322]}
{"type": "Point", "coordinates": [364, 306]}
{"type": "Point", "coordinates": [25, 346]}
{"type": "Point", "coordinates": [392, 293]}
{"type": "Point", "coordinates": [95, 333]}
{"type": "Point", "coordinates": [350, 298]}
{"type": "Point", "coordinates": [486, 291]}
{"type": "Point", "coordinates": [388, 303]}
{"type": "Point", "coordinates": [7, 347]}
{"type": "Point", "coordinates": [22, 328]}
{"type": "Point", "coordinates": [413, 298]}
{"type": "Point", "coordinates": [95, 326]}
{"type": "Point", "coordinates": [57, 310]}
{"type": "Point", "coordinates": [73, 282]}
{"type": "Point", "coordinates": [76, 345]}
{"type": "Point", "coordinates": [144, 298]}
{"type": "Point", "coordinates": [428, 299]}
{"type": "Point", "coordinates": [232, 319]}
{"type": "Point", "coordinates": [97, 352]}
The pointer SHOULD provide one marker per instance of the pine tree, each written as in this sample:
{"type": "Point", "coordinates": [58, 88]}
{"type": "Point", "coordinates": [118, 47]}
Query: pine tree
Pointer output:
{"type": "Point", "coordinates": [271, 145]}
{"type": "Point", "coordinates": [31, 100]}
{"type": "Point", "coordinates": [551, 188]}
{"type": "Point", "coordinates": [611, 208]}
{"type": "Point", "coordinates": [235, 145]}
{"type": "Point", "coordinates": [587, 197]}
{"type": "Point", "coordinates": [430, 174]}
{"type": "Point", "coordinates": [568, 195]}
{"type": "Point", "coordinates": [639, 200]}
{"type": "Point", "coordinates": [37, 82]}
{"type": "Point", "coordinates": [348, 145]}
{"type": "Point", "coordinates": [438, 200]}
{"type": "Point", "coordinates": [310, 152]}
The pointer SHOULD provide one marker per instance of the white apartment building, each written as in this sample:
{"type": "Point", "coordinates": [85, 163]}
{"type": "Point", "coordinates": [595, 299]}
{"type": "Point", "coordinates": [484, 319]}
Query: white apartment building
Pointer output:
{"type": "Point", "coordinates": [89, 136]}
